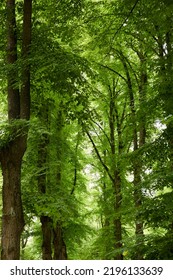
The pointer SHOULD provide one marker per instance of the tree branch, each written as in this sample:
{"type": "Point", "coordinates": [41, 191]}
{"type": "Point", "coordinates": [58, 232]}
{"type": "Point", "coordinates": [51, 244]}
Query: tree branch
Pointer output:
{"type": "Point", "coordinates": [131, 11]}
{"type": "Point", "coordinates": [114, 71]}
{"type": "Point", "coordinates": [99, 156]}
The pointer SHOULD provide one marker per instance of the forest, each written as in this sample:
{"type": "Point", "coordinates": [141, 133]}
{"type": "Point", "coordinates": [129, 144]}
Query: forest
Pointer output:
{"type": "Point", "coordinates": [86, 129]}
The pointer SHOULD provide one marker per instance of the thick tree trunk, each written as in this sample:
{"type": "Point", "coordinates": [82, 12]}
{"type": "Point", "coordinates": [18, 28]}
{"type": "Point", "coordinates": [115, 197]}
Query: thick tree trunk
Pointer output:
{"type": "Point", "coordinates": [11, 155]}
{"type": "Point", "coordinates": [12, 220]}
{"type": "Point", "coordinates": [46, 223]}
{"type": "Point", "coordinates": [60, 252]}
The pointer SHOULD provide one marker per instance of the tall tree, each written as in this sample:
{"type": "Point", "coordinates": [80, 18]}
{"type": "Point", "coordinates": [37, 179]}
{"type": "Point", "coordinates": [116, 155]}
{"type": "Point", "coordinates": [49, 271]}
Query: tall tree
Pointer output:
{"type": "Point", "coordinates": [18, 114]}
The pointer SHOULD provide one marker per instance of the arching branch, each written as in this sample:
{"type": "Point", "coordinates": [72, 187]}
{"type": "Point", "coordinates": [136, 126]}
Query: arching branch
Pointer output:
{"type": "Point", "coordinates": [99, 156]}
{"type": "Point", "coordinates": [113, 70]}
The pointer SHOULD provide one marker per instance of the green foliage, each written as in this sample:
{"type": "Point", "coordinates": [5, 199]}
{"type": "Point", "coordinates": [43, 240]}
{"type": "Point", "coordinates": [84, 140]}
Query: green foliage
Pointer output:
{"type": "Point", "coordinates": [12, 130]}
{"type": "Point", "coordinates": [159, 247]}
{"type": "Point", "coordinates": [103, 69]}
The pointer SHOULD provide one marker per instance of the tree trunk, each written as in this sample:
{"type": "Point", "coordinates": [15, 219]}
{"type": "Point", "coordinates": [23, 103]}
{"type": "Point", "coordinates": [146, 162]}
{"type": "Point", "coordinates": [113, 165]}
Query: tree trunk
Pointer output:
{"type": "Point", "coordinates": [13, 90]}
{"type": "Point", "coordinates": [113, 117]}
{"type": "Point", "coordinates": [117, 220]}
{"type": "Point", "coordinates": [137, 167]}
{"type": "Point", "coordinates": [46, 223]}
{"type": "Point", "coordinates": [139, 231]}
{"type": "Point", "coordinates": [12, 219]}
{"type": "Point", "coordinates": [166, 91]}
{"type": "Point", "coordinates": [25, 90]}
{"type": "Point", "coordinates": [11, 155]}
{"type": "Point", "coordinates": [60, 252]}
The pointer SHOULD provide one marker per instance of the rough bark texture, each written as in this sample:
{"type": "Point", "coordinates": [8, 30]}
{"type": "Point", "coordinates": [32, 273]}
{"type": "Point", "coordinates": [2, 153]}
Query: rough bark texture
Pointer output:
{"type": "Point", "coordinates": [25, 91]}
{"type": "Point", "coordinates": [12, 219]}
{"type": "Point", "coordinates": [60, 252]}
{"type": "Point", "coordinates": [13, 90]}
{"type": "Point", "coordinates": [12, 153]}
{"type": "Point", "coordinates": [46, 225]}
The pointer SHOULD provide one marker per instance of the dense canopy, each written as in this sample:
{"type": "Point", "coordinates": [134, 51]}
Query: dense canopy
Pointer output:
{"type": "Point", "coordinates": [86, 129]}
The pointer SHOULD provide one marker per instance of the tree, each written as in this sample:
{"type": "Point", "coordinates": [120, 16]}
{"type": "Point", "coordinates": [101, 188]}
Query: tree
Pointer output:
{"type": "Point", "coordinates": [18, 114]}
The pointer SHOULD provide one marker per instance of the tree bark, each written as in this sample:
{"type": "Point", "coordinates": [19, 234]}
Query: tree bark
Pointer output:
{"type": "Point", "coordinates": [13, 90]}
{"type": "Point", "coordinates": [60, 251]}
{"type": "Point", "coordinates": [12, 219]}
{"type": "Point", "coordinates": [166, 90]}
{"type": "Point", "coordinates": [117, 220]}
{"type": "Point", "coordinates": [25, 90]}
{"type": "Point", "coordinates": [137, 143]}
{"type": "Point", "coordinates": [46, 225]}
{"type": "Point", "coordinates": [46, 221]}
{"type": "Point", "coordinates": [59, 246]}
{"type": "Point", "coordinates": [12, 153]}
{"type": "Point", "coordinates": [114, 123]}
{"type": "Point", "coordinates": [138, 166]}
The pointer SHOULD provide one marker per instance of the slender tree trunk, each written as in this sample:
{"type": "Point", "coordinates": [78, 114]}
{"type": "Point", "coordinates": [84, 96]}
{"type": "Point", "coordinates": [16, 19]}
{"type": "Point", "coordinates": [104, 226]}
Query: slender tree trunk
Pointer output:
{"type": "Point", "coordinates": [138, 167]}
{"type": "Point", "coordinates": [13, 90]}
{"type": "Point", "coordinates": [75, 163]}
{"type": "Point", "coordinates": [11, 155]}
{"type": "Point", "coordinates": [137, 142]}
{"type": "Point", "coordinates": [166, 90]}
{"type": "Point", "coordinates": [25, 90]}
{"type": "Point", "coordinates": [113, 115]}
{"type": "Point", "coordinates": [43, 185]}
{"type": "Point", "coordinates": [113, 171]}
{"type": "Point", "coordinates": [46, 221]}
{"type": "Point", "coordinates": [105, 222]}
{"type": "Point", "coordinates": [53, 245]}
{"type": "Point", "coordinates": [59, 246]}
{"type": "Point", "coordinates": [117, 220]}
